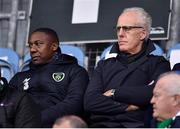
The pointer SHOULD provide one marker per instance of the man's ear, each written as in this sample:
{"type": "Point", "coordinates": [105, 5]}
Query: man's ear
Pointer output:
{"type": "Point", "coordinates": [177, 100]}
{"type": "Point", "coordinates": [55, 46]}
{"type": "Point", "coordinates": [143, 35]}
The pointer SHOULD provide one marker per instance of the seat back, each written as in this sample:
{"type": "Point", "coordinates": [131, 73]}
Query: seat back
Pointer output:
{"type": "Point", "coordinates": [173, 55]}
{"type": "Point", "coordinates": [174, 47]}
{"type": "Point", "coordinates": [106, 51]}
{"type": "Point", "coordinates": [7, 70]}
{"type": "Point", "coordinates": [26, 61]}
{"type": "Point", "coordinates": [74, 51]}
{"type": "Point", "coordinates": [9, 63]}
{"type": "Point", "coordinates": [158, 51]}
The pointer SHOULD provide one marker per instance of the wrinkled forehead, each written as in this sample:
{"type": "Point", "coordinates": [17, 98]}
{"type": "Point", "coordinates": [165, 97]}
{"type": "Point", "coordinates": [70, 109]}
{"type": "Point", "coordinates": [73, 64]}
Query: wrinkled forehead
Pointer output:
{"type": "Point", "coordinates": [129, 18]}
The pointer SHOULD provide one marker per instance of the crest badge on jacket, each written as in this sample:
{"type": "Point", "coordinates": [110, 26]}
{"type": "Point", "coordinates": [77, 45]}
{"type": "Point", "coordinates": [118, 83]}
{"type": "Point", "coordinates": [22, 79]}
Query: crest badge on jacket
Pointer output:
{"type": "Point", "coordinates": [58, 76]}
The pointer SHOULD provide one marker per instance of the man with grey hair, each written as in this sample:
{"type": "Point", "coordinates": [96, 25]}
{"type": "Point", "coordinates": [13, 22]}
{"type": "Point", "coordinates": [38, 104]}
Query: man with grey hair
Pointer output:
{"type": "Point", "coordinates": [166, 101]}
{"type": "Point", "coordinates": [70, 121]}
{"type": "Point", "coordinates": [121, 86]}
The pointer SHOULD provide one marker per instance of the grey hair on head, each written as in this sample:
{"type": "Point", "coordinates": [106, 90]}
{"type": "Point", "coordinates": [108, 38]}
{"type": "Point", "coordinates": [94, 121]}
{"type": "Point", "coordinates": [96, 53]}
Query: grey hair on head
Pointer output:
{"type": "Point", "coordinates": [173, 82]}
{"type": "Point", "coordinates": [145, 18]}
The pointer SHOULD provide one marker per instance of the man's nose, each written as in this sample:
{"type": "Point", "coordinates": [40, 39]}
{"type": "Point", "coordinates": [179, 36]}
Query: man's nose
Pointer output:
{"type": "Point", "coordinates": [152, 100]}
{"type": "Point", "coordinates": [33, 48]}
{"type": "Point", "coordinates": [120, 32]}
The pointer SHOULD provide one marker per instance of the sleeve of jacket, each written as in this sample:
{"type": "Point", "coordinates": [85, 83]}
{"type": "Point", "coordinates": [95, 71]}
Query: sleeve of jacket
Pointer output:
{"type": "Point", "coordinates": [28, 114]}
{"type": "Point", "coordinates": [141, 95]}
{"type": "Point", "coordinates": [95, 101]}
{"type": "Point", "coordinates": [73, 102]}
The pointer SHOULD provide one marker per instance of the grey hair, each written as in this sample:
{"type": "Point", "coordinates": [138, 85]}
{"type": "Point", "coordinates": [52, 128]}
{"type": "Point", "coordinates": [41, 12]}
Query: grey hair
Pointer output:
{"type": "Point", "coordinates": [73, 121]}
{"type": "Point", "coordinates": [145, 18]}
{"type": "Point", "coordinates": [173, 83]}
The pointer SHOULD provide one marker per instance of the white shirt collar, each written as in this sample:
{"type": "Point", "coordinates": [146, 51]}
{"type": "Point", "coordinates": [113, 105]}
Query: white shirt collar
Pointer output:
{"type": "Point", "coordinates": [110, 55]}
{"type": "Point", "coordinates": [178, 114]}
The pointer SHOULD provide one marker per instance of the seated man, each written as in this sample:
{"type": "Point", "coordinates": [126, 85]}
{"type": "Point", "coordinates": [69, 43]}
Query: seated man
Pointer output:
{"type": "Point", "coordinates": [120, 90]}
{"type": "Point", "coordinates": [166, 101]}
{"type": "Point", "coordinates": [17, 109]}
{"type": "Point", "coordinates": [70, 121]}
{"type": "Point", "coordinates": [55, 81]}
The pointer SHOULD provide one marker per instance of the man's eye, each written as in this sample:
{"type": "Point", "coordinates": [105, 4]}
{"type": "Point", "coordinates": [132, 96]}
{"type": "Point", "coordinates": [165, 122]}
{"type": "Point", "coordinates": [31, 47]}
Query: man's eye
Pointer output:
{"type": "Point", "coordinates": [38, 43]}
{"type": "Point", "coordinates": [29, 45]}
{"type": "Point", "coordinates": [126, 28]}
{"type": "Point", "coordinates": [156, 95]}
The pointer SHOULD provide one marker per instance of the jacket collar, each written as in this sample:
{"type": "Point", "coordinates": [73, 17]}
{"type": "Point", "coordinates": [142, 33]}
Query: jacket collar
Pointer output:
{"type": "Point", "coordinates": [126, 58]}
{"type": "Point", "coordinates": [150, 47]}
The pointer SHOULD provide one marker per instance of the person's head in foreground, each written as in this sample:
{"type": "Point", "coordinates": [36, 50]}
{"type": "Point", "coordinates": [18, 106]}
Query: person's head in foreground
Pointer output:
{"type": "Point", "coordinates": [70, 121]}
{"type": "Point", "coordinates": [166, 97]}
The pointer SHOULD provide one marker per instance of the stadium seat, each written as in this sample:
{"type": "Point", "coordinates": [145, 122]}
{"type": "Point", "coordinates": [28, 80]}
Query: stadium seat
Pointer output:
{"type": "Point", "coordinates": [74, 51]}
{"type": "Point", "coordinates": [67, 49]}
{"type": "Point", "coordinates": [7, 70]}
{"type": "Point", "coordinates": [158, 51]}
{"type": "Point", "coordinates": [26, 61]}
{"type": "Point", "coordinates": [173, 54]}
{"type": "Point", "coordinates": [106, 52]}
{"type": "Point", "coordinates": [9, 62]}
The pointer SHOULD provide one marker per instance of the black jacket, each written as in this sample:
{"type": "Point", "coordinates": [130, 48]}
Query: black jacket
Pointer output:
{"type": "Point", "coordinates": [133, 78]}
{"type": "Point", "coordinates": [18, 110]}
{"type": "Point", "coordinates": [176, 67]}
{"type": "Point", "coordinates": [58, 87]}
{"type": "Point", "coordinates": [176, 122]}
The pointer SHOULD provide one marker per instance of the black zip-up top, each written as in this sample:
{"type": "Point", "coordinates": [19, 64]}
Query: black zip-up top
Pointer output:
{"type": "Point", "coordinates": [133, 78]}
{"type": "Point", "coordinates": [18, 110]}
{"type": "Point", "coordinates": [58, 87]}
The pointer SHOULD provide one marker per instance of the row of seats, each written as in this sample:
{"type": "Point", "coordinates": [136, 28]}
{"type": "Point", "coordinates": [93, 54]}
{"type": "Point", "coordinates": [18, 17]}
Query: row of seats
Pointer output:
{"type": "Point", "coordinates": [9, 60]}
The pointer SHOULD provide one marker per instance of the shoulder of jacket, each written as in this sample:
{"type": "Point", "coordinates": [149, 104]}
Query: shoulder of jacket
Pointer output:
{"type": "Point", "coordinates": [156, 57]}
{"type": "Point", "coordinates": [68, 59]}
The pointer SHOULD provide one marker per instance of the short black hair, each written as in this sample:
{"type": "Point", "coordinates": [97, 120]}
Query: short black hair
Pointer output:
{"type": "Point", "coordinates": [52, 33]}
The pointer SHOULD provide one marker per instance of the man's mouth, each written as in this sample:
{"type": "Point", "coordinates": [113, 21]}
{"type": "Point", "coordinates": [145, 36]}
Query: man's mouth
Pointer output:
{"type": "Point", "coordinates": [122, 42]}
{"type": "Point", "coordinates": [35, 58]}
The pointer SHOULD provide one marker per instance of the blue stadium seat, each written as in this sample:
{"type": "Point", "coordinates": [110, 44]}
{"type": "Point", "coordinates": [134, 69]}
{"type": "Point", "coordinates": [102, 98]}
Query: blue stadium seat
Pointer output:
{"type": "Point", "coordinates": [74, 51]}
{"type": "Point", "coordinates": [174, 47]}
{"type": "Point", "coordinates": [158, 51]}
{"type": "Point", "coordinates": [106, 52]}
{"type": "Point", "coordinates": [67, 49]}
{"type": "Point", "coordinates": [173, 54]}
{"type": "Point", "coordinates": [176, 68]}
{"type": "Point", "coordinates": [26, 61]}
{"type": "Point", "coordinates": [7, 70]}
{"type": "Point", "coordinates": [9, 62]}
